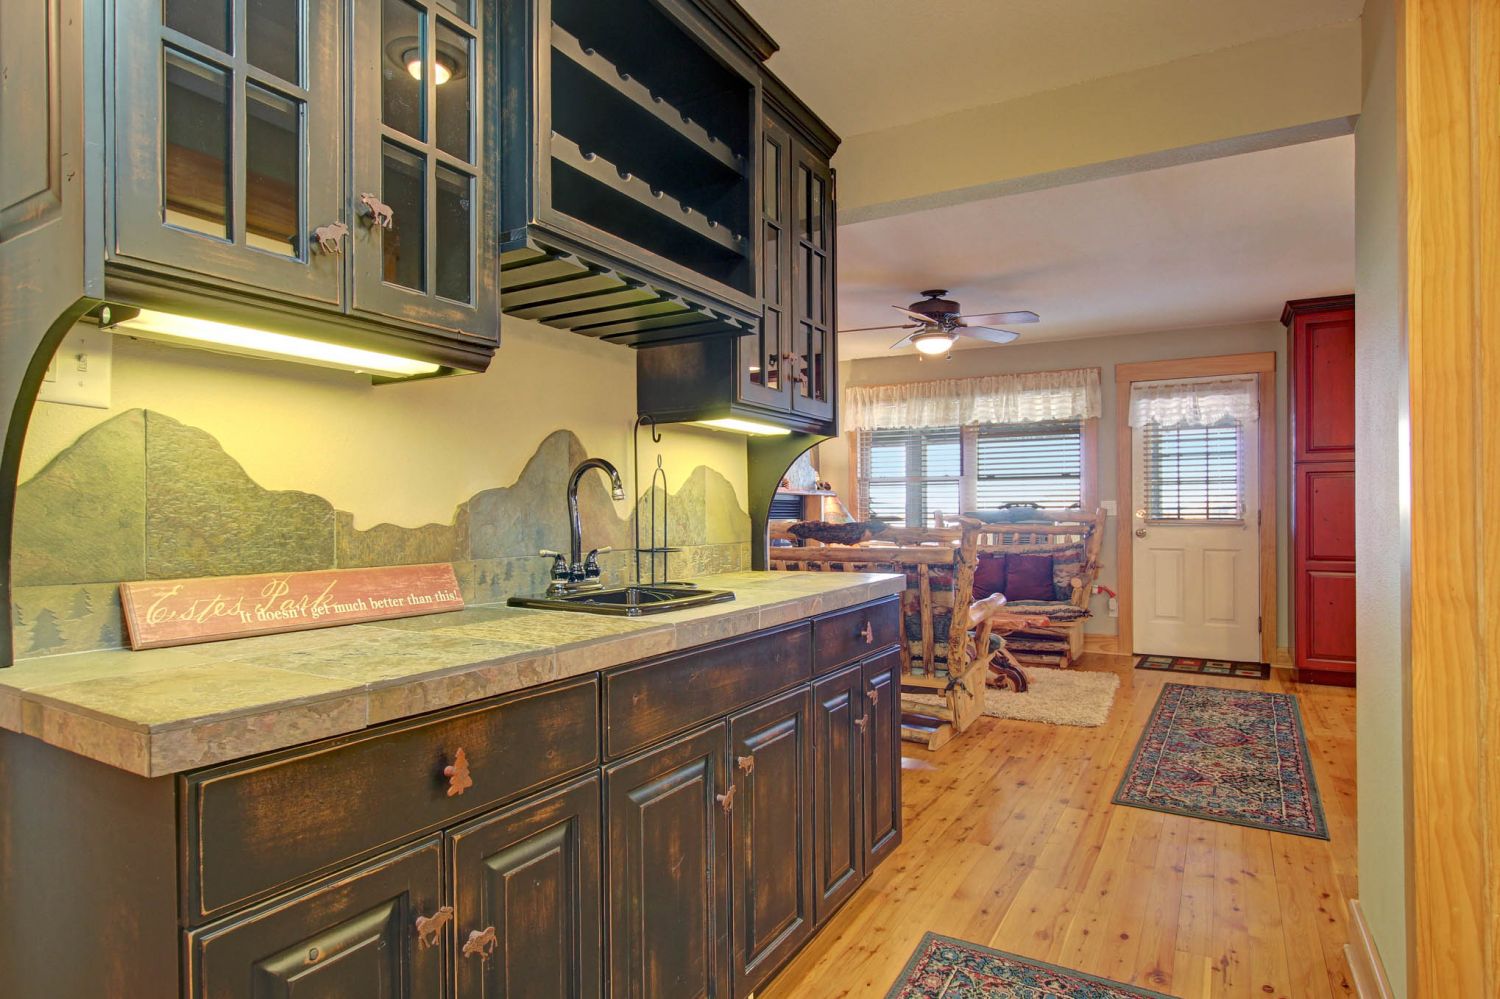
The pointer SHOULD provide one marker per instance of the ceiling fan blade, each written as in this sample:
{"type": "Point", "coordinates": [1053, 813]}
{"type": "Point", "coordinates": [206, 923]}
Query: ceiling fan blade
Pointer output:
{"type": "Point", "coordinates": [870, 329]}
{"type": "Point", "coordinates": [989, 335]}
{"type": "Point", "coordinates": [924, 320]}
{"type": "Point", "coordinates": [1003, 318]}
{"type": "Point", "coordinates": [903, 341]}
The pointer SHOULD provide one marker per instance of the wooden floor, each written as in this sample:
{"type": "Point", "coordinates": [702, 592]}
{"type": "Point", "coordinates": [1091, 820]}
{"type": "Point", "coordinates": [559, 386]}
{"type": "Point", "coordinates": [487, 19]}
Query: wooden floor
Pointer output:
{"type": "Point", "coordinates": [1011, 841]}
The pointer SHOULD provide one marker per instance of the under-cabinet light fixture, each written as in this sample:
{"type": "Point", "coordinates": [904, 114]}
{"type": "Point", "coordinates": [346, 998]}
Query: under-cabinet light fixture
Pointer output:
{"type": "Point", "coordinates": [743, 427]}
{"type": "Point", "coordinates": [168, 327]}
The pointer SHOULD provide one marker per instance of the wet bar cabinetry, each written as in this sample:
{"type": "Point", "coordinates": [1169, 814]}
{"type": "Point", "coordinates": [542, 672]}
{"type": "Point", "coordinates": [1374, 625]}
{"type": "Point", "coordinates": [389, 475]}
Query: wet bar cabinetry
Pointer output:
{"type": "Point", "coordinates": [785, 371]}
{"type": "Point", "coordinates": [673, 827]}
{"type": "Point", "coordinates": [631, 132]}
{"type": "Point", "coordinates": [317, 167]}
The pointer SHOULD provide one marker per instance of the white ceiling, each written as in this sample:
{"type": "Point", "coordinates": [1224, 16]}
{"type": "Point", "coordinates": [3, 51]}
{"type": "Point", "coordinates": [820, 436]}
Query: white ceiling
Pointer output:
{"type": "Point", "coordinates": [1203, 244]}
{"type": "Point", "coordinates": [865, 65]}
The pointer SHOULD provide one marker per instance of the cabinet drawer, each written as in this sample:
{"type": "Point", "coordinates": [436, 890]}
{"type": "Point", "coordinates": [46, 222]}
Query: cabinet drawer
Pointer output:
{"type": "Point", "coordinates": [255, 826]}
{"type": "Point", "coordinates": [647, 703]}
{"type": "Point", "coordinates": [846, 636]}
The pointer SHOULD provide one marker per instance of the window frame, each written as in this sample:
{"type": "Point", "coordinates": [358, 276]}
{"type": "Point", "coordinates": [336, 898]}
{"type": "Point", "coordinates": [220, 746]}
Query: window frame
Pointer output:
{"type": "Point", "coordinates": [968, 469]}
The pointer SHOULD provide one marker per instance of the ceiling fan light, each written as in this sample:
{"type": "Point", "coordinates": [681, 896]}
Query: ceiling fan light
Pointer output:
{"type": "Point", "coordinates": [933, 343]}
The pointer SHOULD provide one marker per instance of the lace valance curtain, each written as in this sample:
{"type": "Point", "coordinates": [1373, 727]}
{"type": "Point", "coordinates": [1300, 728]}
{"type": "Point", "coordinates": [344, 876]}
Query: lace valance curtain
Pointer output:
{"type": "Point", "coordinates": [1196, 402]}
{"type": "Point", "coordinates": [1032, 397]}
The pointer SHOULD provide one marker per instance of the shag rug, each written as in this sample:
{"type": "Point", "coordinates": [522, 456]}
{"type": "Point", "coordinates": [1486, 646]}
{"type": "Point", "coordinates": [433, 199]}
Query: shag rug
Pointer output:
{"type": "Point", "coordinates": [944, 968]}
{"type": "Point", "coordinates": [1056, 697]}
{"type": "Point", "coordinates": [1205, 667]}
{"type": "Point", "coordinates": [1235, 756]}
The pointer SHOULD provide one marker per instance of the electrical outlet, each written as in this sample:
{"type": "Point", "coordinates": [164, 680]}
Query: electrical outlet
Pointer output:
{"type": "Point", "coordinates": [80, 371]}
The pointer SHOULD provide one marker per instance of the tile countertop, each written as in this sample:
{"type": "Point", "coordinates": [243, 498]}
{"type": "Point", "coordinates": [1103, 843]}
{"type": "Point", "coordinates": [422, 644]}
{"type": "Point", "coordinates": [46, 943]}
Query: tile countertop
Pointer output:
{"type": "Point", "coordinates": [163, 711]}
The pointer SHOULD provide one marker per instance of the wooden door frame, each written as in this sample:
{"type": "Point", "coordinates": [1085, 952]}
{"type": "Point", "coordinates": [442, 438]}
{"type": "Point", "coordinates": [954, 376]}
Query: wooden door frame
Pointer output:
{"type": "Point", "coordinates": [1262, 365]}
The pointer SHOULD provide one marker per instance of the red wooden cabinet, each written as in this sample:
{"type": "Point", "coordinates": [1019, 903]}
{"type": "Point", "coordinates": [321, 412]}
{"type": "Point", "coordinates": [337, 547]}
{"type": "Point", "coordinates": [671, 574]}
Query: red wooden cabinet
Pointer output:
{"type": "Point", "coordinates": [1323, 587]}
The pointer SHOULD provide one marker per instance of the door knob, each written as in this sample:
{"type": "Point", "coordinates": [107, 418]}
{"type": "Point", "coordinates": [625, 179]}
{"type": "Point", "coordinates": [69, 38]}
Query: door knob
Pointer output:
{"type": "Point", "coordinates": [1140, 532]}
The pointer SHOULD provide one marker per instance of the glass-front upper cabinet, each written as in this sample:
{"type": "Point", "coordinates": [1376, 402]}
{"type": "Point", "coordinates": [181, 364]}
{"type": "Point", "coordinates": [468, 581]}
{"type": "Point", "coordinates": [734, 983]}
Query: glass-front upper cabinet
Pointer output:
{"type": "Point", "coordinates": [425, 230]}
{"type": "Point", "coordinates": [762, 355]}
{"type": "Point", "coordinates": [228, 142]}
{"type": "Point", "coordinates": [812, 349]}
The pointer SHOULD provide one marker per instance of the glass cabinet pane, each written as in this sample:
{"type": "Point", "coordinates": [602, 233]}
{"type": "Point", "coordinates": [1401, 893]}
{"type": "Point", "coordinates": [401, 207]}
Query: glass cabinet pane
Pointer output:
{"type": "Point", "coordinates": [772, 265]}
{"type": "Point", "coordinates": [403, 185]}
{"type": "Point", "coordinates": [455, 87]}
{"type": "Point", "coordinates": [817, 205]}
{"type": "Point", "coordinates": [463, 8]}
{"type": "Point", "coordinates": [205, 20]}
{"type": "Point", "coordinates": [454, 246]}
{"type": "Point", "coordinates": [273, 37]}
{"type": "Point", "coordinates": [195, 150]}
{"type": "Point", "coordinates": [770, 183]}
{"type": "Point", "coordinates": [274, 206]}
{"type": "Point", "coordinates": [771, 349]}
{"type": "Point", "coordinates": [403, 68]}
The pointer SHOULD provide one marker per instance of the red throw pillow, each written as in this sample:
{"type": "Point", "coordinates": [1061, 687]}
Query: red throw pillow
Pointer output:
{"type": "Point", "coordinates": [989, 575]}
{"type": "Point", "coordinates": [1028, 577]}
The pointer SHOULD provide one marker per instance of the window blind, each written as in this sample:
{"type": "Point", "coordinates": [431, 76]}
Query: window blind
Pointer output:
{"type": "Point", "coordinates": [1039, 463]}
{"type": "Point", "coordinates": [1192, 473]}
{"type": "Point", "coordinates": [906, 477]}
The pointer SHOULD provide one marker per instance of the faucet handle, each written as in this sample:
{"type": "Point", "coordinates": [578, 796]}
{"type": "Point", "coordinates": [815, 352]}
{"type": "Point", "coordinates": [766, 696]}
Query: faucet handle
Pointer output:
{"type": "Point", "coordinates": [591, 568]}
{"type": "Point", "coordinates": [559, 563]}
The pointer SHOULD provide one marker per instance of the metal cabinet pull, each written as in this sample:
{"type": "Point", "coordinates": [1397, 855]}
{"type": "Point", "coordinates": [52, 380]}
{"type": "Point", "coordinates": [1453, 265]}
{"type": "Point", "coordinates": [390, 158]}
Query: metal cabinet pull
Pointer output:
{"type": "Point", "coordinates": [726, 800]}
{"type": "Point", "coordinates": [457, 773]}
{"type": "Point", "coordinates": [377, 212]}
{"type": "Point", "coordinates": [482, 942]}
{"type": "Point", "coordinates": [868, 633]}
{"type": "Point", "coordinates": [330, 238]}
{"type": "Point", "coordinates": [873, 695]}
{"type": "Point", "coordinates": [746, 764]}
{"type": "Point", "coordinates": [428, 927]}
{"type": "Point", "coordinates": [863, 722]}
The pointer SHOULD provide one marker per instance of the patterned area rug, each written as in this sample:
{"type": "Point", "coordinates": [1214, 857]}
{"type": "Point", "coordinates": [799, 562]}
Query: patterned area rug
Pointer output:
{"type": "Point", "coordinates": [944, 968]}
{"type": "Point", "coordinates": [1205, 667]}
{"type": "Point", "coordinates": [1230, 755]}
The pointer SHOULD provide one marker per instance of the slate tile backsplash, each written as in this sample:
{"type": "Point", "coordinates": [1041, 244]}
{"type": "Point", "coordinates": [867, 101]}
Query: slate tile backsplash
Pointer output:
{"type": "Point", "coordinates": [144, 496]}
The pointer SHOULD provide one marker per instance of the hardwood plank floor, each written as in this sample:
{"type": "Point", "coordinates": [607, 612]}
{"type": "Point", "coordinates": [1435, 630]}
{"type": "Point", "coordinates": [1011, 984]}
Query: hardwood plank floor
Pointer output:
{"type": "Point", "coordinates": [1011, 841]}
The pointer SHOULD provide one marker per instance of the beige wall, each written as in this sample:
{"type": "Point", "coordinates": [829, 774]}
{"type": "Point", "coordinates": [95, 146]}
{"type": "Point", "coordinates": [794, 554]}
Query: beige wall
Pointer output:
{"type": "Point", "coordinates": [1382, 527]}
{"type": "Point", "coordinates": [1105, 353]}
{"type": "Point", "coordinates": [405, 454]}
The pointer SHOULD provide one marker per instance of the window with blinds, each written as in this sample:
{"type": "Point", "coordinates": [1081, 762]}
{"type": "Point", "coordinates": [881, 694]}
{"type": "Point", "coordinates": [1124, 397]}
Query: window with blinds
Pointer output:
{"type": "Point", "coordinates": [906, 477]}
{"type": "Point", "coordinates": [1192, 473]}
{"type": "Point", "coordinates": [1039, 463]}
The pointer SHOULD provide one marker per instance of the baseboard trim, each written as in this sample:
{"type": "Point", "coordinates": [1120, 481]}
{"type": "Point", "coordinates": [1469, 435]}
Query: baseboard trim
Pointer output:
{"type": "Point", "coordinates": [1370, 981]}
{"type": "Point", "coordinates": [1281, 658]}
{"type": "Point", "coordinates": [1101, 643]}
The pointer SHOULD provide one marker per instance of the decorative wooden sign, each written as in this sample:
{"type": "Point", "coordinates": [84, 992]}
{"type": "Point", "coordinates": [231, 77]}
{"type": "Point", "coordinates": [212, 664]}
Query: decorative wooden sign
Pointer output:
{"type": "Point", "coordinates": [164, 612]}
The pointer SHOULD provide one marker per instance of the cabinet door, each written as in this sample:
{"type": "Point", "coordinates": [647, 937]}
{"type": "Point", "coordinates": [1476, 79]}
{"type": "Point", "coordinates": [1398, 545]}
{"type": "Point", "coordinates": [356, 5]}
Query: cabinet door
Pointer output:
{"type": "Point", "coordinates": [882, 691]}
{"type": "Point", "coordinates": [526, 886]}
{"type": "Point", "coordinates": [812, 293]}
{"type": "Point", "coordinates": [762, 356]}
{"type": "Point", "coordinates": [771, 746]}
{"type": "Point", "coordinates": [353, 935]}
{"type": "Point", "coordinates": [838, 773]}
{"type": "Point", "coordinates": [228, 124]}
{"type": "Point", "coordinates": [1323, 584]}
{"type": "Point", "coordinates": [426, 234]}
{"type": "Point", "coordinates": [1323, 386]}
{"type": "Point", "coordinates": [668, 841]}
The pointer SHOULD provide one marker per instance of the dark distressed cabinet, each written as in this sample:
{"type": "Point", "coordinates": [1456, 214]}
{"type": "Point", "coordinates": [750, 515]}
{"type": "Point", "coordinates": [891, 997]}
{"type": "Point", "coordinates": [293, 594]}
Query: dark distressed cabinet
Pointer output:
{"type": "Point", "coordinates": [527, 885]}
{"type": "Point", "coordinates": [286, 163]}
{"type": "Point", "coordinates": [350, 935]}
{"type": "Point", "coordinates": [673, 827]}
{"type": "Point", "coordinates": [785, 371]}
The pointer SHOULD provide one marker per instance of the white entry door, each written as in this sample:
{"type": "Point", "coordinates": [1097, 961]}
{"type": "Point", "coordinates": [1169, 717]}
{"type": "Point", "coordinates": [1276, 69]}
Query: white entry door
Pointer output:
{"type": "Point", "coordinates": [1195, 550]}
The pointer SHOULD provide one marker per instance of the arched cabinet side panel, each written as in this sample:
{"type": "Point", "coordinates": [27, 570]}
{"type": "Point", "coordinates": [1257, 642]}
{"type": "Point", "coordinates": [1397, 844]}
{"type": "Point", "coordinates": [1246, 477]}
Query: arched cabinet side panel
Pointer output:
{"type": "Point", "coordinates": [769, 460]}
{"type": "Point", "coordinates": [45, 255]}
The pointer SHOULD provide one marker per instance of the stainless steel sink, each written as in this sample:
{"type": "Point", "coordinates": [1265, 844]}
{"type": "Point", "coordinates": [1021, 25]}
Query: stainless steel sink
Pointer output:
{"type": "Point", "coordinates": [630, 601]}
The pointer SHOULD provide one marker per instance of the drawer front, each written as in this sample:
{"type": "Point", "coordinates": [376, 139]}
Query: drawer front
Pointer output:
{"type": "Point", "coordinates": [256, 826]}
{"type": "Point", "coordinates": [850, 634]}
{"type": "Point", "coordinates": [647, 703]}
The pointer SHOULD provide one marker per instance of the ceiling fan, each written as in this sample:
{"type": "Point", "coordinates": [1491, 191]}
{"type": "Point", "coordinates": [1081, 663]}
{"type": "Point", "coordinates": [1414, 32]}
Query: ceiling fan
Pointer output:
{"type": "Point", "coordinates": [937, 323]}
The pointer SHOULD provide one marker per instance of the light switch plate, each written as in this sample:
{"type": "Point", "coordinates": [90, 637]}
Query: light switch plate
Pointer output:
{"type": "Point", "coordinates": [79, 373]}
{"type": "Point", "coordinates": [1109, 507]}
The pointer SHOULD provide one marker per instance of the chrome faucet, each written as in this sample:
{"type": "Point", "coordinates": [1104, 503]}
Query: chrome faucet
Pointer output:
{"type": "Point", "coordinates": [574, 572]}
